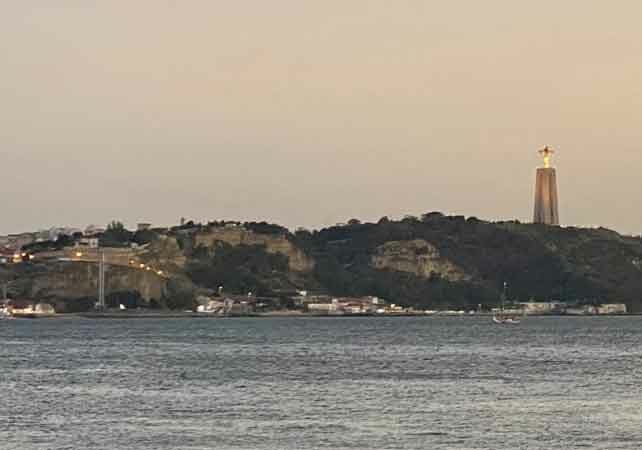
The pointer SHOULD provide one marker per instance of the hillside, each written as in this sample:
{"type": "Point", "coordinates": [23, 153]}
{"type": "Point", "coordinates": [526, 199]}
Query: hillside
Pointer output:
{"type": "Point", "coordinates": [430, 262]}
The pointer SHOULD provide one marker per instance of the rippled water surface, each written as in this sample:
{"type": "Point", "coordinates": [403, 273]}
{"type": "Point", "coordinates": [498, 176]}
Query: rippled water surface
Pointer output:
{"type": "Point", "coordinates": [314, 383]}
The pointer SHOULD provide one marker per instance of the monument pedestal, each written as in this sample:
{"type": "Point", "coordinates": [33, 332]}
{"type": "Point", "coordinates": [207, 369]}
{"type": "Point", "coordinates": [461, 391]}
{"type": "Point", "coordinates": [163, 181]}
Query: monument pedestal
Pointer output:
{"type": "Point", "coordinates": [546, 203]}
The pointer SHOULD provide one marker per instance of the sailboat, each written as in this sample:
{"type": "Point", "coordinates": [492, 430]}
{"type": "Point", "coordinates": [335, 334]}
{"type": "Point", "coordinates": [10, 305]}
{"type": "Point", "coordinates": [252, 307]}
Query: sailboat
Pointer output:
{"type": "Point", "coordinates": [4, 313]}
{"type": "Point", "coordinates": [502, 318]}
{"type": "Point", "coordinates": [505, 320]}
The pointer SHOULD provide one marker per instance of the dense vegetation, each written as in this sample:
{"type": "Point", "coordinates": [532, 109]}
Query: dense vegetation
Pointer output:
{"type": "Point", "coordinates": [239, 269]}
{"type": "Point", "coordinates": [537, 262]}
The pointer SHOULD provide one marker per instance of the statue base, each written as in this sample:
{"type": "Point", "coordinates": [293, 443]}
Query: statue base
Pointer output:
{"type": "Point", "coordinates": [546, 201]}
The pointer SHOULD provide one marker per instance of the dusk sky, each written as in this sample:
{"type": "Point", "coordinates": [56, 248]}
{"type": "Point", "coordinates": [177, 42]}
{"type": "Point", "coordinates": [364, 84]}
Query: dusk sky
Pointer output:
{"type": "Point", "coordinates": [308, 113]}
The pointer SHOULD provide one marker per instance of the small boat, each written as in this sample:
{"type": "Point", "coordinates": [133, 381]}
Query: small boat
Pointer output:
{"type": "Point", "coordinates": [499, 319]}
{"type": "Point", "coordinates": [5, 314]}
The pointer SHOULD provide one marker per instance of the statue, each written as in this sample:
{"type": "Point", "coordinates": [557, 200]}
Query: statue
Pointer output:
{"type": "Point", "coordinates": [547, 153]}
{"type": "Point", "coordinates": [546, 201]}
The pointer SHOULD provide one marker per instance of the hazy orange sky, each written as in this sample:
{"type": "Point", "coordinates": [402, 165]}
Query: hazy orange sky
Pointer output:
{"type": "Point", "coordinates": [308, 113]}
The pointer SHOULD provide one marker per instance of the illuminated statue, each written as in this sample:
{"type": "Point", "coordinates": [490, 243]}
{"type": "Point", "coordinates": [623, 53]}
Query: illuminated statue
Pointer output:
{"type": "Point", "coordinates": [546, 201]}
{"type": "Point", "coordinates": [547, 153]}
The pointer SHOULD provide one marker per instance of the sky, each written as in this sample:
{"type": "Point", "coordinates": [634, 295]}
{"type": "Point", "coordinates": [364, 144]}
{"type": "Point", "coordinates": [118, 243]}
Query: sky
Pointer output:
{"type": "Point", "coordinates": [309, 113]}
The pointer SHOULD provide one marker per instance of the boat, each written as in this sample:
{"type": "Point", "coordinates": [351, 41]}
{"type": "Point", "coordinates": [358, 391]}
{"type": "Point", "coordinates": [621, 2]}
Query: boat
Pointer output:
{"type": "Point", "coordinates": [36, 311]}
{"type": "Point", "coordinates": [506, 320]}
{"type": "Point", "coordinates": [5, 314]}
{"type": "Point", "coordinates": [501, 317]}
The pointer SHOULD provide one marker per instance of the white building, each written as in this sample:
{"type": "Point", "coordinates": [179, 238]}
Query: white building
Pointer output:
{"type": "Point", "coordinates": [322, 307]}
{"type": "Point", "coordinates": [612, 308]}
{"type": "Point", "coordinates": [535, 308]}
{"type": "Point", "coordinates": [91, 242]}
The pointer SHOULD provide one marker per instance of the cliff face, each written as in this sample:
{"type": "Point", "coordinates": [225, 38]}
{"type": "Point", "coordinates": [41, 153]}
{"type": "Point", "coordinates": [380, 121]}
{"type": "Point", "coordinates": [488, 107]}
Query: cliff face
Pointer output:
{"type": "Point", "coordinates": [274, 244]}
{"type": "Point", "coordinates": [417, 257]}
{"type": "Point", "coordinates": [69, 280]}
{"type": "Point", "coordinates": [164, 253]}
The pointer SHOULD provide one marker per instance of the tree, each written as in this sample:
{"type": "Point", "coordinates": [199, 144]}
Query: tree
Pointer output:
{"type": "Point", "coordinates": [143, 237]}
{"type": "Point", "coordinates": [427, 217]}
{"type": "Point", "coordinates": [64, 240]}
{"type": "Point", "coordinates": [116, 235]}
{"type": "Point", "coordinates": [180, 295]}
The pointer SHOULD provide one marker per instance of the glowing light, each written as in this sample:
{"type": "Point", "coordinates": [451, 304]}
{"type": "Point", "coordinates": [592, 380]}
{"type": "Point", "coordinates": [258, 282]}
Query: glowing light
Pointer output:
{"type": "Point", "coordinates": [78, 254]}
{"type": "Point", "coordinates": [547, 154]}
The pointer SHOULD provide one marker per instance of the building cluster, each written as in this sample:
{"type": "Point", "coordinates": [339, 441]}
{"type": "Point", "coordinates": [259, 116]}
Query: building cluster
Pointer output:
{"type": "Point", "coordinates": [10, 309]}
{"type": "Point", "coordinates": [14, 247]}
{"type": "Point", "coordinates": [228, 305]}
{"type": "Point", "coordinates": [11, 245]}
{"type": "Point", "coordinates": [314, 305]}
{"type": "Point", "coordinates": [562, 308]}
{"type": "Point", "coordinates": [328, 305]}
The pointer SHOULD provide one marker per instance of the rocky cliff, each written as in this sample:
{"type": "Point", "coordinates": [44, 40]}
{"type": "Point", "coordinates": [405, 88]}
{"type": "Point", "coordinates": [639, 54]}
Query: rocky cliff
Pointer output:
{"type": "Point", "coordinates": [239, 236]}
{"type": "Point", "coordinates": [416, 257]}
{"type": "Point", "coordinates": [69, 280]}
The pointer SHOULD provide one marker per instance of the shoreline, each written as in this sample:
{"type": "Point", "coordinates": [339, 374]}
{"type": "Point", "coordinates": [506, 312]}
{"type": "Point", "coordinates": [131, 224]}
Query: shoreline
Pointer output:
{"type": "Point", "coordinates": [284, 314]}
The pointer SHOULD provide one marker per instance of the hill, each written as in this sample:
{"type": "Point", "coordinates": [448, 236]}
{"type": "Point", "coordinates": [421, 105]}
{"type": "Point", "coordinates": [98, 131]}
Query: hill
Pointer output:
{"type": "Point", "coordinates": [435, 261]}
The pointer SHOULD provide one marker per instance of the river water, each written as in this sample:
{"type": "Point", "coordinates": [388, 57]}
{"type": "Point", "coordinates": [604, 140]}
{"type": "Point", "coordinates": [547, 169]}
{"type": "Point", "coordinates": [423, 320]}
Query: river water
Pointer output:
{"type": "Point", "coordinates": [315, 383]}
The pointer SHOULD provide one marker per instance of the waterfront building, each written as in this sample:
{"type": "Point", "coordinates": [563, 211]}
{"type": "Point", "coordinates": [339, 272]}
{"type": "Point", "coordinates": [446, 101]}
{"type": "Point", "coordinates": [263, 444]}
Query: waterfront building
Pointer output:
{"type": "Point", "coordinates": [612, 308]}
{"type": "Point", "coordinates": [537, 308]}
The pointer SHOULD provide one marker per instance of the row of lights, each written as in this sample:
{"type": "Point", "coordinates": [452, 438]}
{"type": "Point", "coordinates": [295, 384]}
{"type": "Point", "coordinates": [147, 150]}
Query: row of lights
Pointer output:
{"type": "Point", "coordinates": [145, 267]}
{"type": "Point", "coordinates": [20, 257]}
{"type": "Point", "coordinates": [133, 263]}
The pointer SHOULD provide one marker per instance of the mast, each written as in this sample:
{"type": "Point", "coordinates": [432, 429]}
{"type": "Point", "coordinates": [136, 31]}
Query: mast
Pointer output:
{"type": "Point", "coordinates": [101, 281]}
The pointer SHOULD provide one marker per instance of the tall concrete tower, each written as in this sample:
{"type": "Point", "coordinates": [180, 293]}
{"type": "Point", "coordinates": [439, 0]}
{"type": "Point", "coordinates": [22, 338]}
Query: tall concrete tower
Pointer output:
{"type": "Point", "coordinates": [546, 204]}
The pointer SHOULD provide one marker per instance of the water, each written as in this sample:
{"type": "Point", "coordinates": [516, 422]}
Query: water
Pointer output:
{"type": "Point", "coordinates": [314, 383]}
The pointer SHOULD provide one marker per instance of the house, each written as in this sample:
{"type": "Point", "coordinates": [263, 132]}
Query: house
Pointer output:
{"type": "Point", "coordinates": [537, 308]}
{"type": "Point", "coordinates": [31, 310]}
{"type": "Point", "coordinates": [93, 230]}
{"type": "Point", "coordinates": [581, 310]}
{"type": "Point", "coordinates": [17, 241]}
{"type": "Point", "coordinates": [612, 308]}
{"type": "Point", "coordinates": [90, 242]}
{"type": "Point", "coordinates": [322, 308]}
